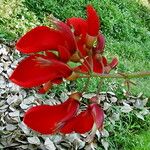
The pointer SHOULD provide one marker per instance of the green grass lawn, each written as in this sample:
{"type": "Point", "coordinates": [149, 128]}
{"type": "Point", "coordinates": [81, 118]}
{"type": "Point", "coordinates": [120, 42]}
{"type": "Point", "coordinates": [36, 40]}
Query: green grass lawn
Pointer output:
{"type": "Point", "coordinates": [126, 26]}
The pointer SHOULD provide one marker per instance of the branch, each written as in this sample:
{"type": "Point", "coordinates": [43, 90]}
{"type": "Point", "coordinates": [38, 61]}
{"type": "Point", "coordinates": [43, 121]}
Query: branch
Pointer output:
{"type": "Point", "coordinates": [120, 75]}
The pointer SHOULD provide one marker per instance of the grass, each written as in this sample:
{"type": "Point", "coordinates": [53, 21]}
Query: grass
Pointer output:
{"type": "Point", "coordinates": [130, 134]}
{"type": "Point", "coordinates": [126, 26]}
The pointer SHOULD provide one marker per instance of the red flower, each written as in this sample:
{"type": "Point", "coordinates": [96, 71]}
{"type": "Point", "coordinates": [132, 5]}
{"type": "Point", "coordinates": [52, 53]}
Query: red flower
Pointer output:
{"type": "Point", "coordinates": [48, 119]}
{"type": "Point", "coordinates": [84, 121]}
{"type": "Point", "coordinates": [50, 50]}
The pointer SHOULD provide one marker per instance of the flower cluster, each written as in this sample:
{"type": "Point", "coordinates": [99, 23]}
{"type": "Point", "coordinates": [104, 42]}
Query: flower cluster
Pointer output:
{"type": "Point", "coordinates": [50, 50]}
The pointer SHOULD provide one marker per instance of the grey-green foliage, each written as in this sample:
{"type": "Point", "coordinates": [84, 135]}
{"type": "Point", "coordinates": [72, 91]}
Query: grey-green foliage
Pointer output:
{"type": "Point", "coordinates": [120, 19]}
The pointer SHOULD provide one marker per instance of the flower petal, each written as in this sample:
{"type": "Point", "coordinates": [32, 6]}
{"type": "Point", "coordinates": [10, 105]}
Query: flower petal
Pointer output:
{"type": "Point", "coordinates": [100, 44]}
{"type": "Point", "coordinates": [104, 61]}
{"type": "Point", "coordinates": [81, 123]}
{"type": "Point", "coordinates": [64, 53]}
{"type": "Point", "coordinates": [38, 69]}
{"type": "Point", "coordinates": [98, 115]}
{"type": "Point", "coordinates": [113, 63]}
{"type": "Point", "coordinates": [92, 21]}
{"type": "Point", "coordinates": [40, 38]}
{"type": "Point", "coordinates": [51, 55]}
{"type": "Point", "coordinates": [45, 87]}
{"type": "Point", "coordinates": [48, 119]}
{"type": "Point", "coordinates": [79, 26]}
{"type": "Point", "coordinates": [65, 29]}
{"type": "Point", "coordinates": [96, 65]}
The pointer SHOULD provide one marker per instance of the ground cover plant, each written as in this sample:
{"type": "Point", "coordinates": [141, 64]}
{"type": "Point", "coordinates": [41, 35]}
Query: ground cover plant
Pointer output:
{"type": "Point", "coordinates": [131, 126]}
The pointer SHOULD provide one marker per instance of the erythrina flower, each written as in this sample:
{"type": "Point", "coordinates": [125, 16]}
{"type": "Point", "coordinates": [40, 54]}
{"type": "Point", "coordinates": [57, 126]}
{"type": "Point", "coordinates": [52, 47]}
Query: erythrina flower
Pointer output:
{"type": "Point", "coordinates": [50, 51]}
{"type": "Point", "coordinates": [48, 119]}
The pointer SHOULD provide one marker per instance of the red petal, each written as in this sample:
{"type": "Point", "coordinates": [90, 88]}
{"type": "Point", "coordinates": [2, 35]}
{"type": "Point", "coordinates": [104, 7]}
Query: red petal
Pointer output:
{"type": "Point", "coordinates": [114, 63]}
{"type": "Point", "coordinates": [57, 81]}
{"type": "Point", "coordinates": [79, 25]}
{"type": "Point", "coordinates": [48, 119]}
{"type": "Point", "coordinates": [97, 65]}
{"type": "Point", "coordinates": [92, 21]}
{"type": "Point", "coordinates": [98, 115]}
{"type": "Point", "coordinates": [64, 53]}
{"type": "Point", "coordinates": [40, 39]}
{"type": "Point", "coordinates": [38, 69]}
{"type": "Point", "coordinates": [104, 61]}
{"type": "Point", "coordinates": [64, 28]}
{"type": "Point", "coordinates": [85, 67]}
{"type": "Point", "coordinates": [100, 44]}
{"type": "Point", "coordinates": [45, 87]}
{"type": "Point", "coordinates": [51, 55]}
{"type": "Point", "coordinates": [82, 123]}
{"type": "Point", "coordinates": [81, 47]}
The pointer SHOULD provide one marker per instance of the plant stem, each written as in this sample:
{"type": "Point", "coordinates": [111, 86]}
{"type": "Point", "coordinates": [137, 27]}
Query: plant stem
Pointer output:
{"type": "Point", "coordinates": [86, 84]}
{"type": "Point", "coordinates": [99, 87]}
{"type": "Point", "coordinates": [120, 75]}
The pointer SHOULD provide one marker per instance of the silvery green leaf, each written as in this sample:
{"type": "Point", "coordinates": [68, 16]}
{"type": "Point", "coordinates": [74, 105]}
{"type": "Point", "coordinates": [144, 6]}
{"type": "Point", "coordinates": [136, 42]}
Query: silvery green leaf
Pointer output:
{"type": "Point", "coordinates": [13, 87]}
{"type": "Point", "coordinates": [98, 134]}
{"type": "Point", "coordinates": [145, 111]}
{"type": "Point", "coordinates": [1, 146]}
{"type": "Point", "coordinates": [145, 101]}
{"type": "Point", "coordinates": [24, 128]}
{"type": "Point", "coordinates": [105, 133]}
{"type": "Point", "coordinates": [88, 95]}
{"type": "Point", "coordinates": [14, 114]}
{"type": "Point", "coordinates": [140, 116]}
{"type": "Point", "coordinates": [79, 144]}
{"type": "Point", "coordinates": [115, 116]}
{"type": "Point", "coordinates": [2, 128]}
{"type": "Point", "coordinates": [91, 146]}
{"type": "Point", "coordinates": [1, 69]}
{"type": "Point", "coordinates": [12, 99]}
{"type": "Point", "coordinates": [106, 105]}
{"type": "Point", "coordinates": [126, 108]}
{"type": "Point", "coordinates": [113, 99]}
{"type": "Point", "coordinates": [63, 96]}
{"type": "Point", "coordinates": [111, 93]}
{"type": "Point", "coordinates": [2, 108]}
{"type": "Point", "coordinates": [2, 102]}
{"type": "Point", "coordinates": [9, 71]}
{"type": "Point", "coordinates": [105, 144]}
{"type": "Point", "coordinates": [23, 147]}
{"type": "Point", "coordinates": [10, 127]}
{"type": "Point", "coordinates": [49, 144]}
{"type": "Point", "coordinates": [34, 140]}
{"type": "Point", "coordinates": [24, 106]}
{"type": "Point", "coordinates": [29, 100]}
{"type": "Point", "coordinates": [112, 121]}
{"type": "Point", "coordinates": [72, 137]}
{"type": "Point", "coordinates": [102, 97]}
{"type": "Point", "coordinates": [140, 95]}
{"type": "Point", "coordinates": [139, 104]}
{"type": "Point", "coordinates": [56, 138]}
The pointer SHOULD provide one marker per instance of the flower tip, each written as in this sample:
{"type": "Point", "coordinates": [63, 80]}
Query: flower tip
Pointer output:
{"type": "Point", "coordinates": [114, 62]}
{"type": "Point", "coordinates": [73, 76]}
{"type": "Point", "coordinates": [92, 21]}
